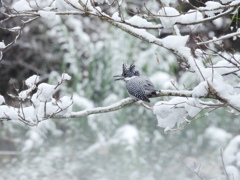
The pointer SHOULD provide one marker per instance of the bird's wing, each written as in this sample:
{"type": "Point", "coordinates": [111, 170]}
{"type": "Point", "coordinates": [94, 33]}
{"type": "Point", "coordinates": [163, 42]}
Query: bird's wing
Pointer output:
{"type": "Point", "coordinates": [148, 85]}
{"type": "Point", "coordinates": [136, 90]}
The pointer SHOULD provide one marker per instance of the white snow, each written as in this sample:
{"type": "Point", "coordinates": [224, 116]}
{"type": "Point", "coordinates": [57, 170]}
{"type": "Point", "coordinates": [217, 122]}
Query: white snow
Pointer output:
{"type": "Point", "coordinates": [120, 2]}
{"type": "Point", "coordinates": [198, 52]}
{"type": "Point", "coordinates": [65, 103]}
{"type": "Point", "coordinates": [174, 42]}
{"type": "Point", "coordinates": [24, 94]}
{"type": "Point", "coordinates": [201, 89]}
{"type": "Point", "coordinates": [116, 16]}
{"type": "Point", "coordinates": [168, 16]}
{"type": "Point", "coordinates": [175, 111]}
{"type": "Point", "coordinates": [14, 29]}
{"type": "Point", "coordinates": [61, 5]}
{"type": "Point", "coordinates": [210, 5]}
{"type": "Point", "coordinates": [82, 101]}
{"type": "Point", "coordinates": [167, 2]}
{"type": "Point", "coordinates": [223, 89]}
{"type": "Point", "coordinates": [6, 111]}
{"type": "Point", "coordinates": [2, 100]}
{"type": "Point", "coordinates": [223, 66]}
{"type": "Point", "coordinates": [65, 76]}
{"type": "Point", "coordinates": [231, 152]}
{"type": "Point", "coordinates": [21, 5]}
{"type": "Point", "coordinates": [28, 114]}
{"type": "Point", "coordinates": [233, 172]}
{"type": "Point", "coordinates": [170, 113]}
{"type": "Point", "coordinates": [47, 14]}
{"type": "Point", "coordinates": [86, 3]}
{"type": "Point", "coordinates": [2, 45]}
{"type": "Point", "coordinates": [97, 10]}
{"type": "Point", "coordinates": [141, 32]}
{"type": "Point", "coordinates": [112, 97]}
{"type": "Point", "coordinates": [231, 157]}
{"type": "Point", "coordinates": [28, 145]}
{"type": "Point", "coordinates": [101, 1]}
{"type": "Point", "coordinates": [34, 140]}
{"type": "Point", "coordinates": [190, 17]}
{"type": "Point", "coordinates": [161, 79]}
{"type": "Point", "coordinates": [45, 91]}
{"type": "Point", "coordinates": [219, 22]}
{"type": "Point", "coordinates": [44, 104]}
{"type": "Point", "coordinates": [75, 3]}
{"type": "Point", "coordinates": [127, 133]}
{"type": "Point", "coordinates": [48, 108]}
{"type": "Point", "coordinates": [217, 136]}
{"type": "Point", "coordinates": [31, 81]}
{"type": "Point", "coordinates": [140, 22]}
{"type": "Point", "coordinates": [35, 100]}
{"type": "Point", "coordinates": [193, 107]}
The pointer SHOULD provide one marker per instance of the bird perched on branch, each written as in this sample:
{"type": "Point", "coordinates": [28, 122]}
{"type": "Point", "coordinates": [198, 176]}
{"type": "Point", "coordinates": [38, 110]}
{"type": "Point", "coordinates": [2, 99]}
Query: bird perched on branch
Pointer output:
{"type": "Point", "coordinates": [138, 87]}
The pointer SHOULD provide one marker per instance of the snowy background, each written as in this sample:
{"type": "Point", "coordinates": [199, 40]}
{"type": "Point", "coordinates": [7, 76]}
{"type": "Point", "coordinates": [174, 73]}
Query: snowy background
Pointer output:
{"type": "Point", "coordinates": [127, 144]}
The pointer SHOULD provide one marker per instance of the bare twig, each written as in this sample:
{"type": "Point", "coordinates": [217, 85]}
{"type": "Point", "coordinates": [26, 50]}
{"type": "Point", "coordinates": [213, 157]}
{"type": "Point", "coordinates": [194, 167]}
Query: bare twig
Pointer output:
{"type": "Point", "coordinates": [220, 38]}
{"type": "Point", "coordinates": [224, 167]}
{"type": "Point", "coordinates": [194, 171]}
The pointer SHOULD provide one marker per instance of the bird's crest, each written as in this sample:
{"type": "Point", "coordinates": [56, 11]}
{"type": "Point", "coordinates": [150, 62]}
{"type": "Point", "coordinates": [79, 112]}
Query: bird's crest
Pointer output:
{"type": "Point", "coordinates": [130, 71]}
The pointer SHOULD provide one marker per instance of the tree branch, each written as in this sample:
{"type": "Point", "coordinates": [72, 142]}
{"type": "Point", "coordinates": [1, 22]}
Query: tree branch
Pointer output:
{"type": "Point", "coordinates": [220, 38]}
{"type": "Point", "coordinates": [125, 102]}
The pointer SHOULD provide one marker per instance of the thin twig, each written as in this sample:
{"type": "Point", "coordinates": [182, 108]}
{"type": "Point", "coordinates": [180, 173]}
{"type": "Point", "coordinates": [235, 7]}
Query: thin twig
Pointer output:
{"type": "Point", "coordinates": [224, 167]}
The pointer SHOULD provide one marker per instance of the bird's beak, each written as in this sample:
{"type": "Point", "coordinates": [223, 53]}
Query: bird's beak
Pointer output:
{"type": "Point", "coordinates": [118, 77]}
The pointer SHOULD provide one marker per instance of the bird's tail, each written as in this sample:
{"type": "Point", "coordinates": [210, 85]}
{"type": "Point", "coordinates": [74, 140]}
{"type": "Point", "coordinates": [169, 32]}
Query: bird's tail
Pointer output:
{"type": "Point", "coordinates": [156, 92]}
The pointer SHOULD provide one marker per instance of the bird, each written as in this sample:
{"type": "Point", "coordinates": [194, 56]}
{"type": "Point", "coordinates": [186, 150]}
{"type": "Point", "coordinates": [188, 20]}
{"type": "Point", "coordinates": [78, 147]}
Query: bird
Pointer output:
{"type": "Point", "coordinates": [138, 87]}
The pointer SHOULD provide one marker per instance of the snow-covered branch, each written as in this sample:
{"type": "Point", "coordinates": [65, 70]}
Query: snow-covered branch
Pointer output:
{"type": "Point", "coordinates": [45, 106]}
{"type": "Point", "coordinates": [135, 26]}
{"type": "Point", "coordinates": [235, 34]}
{"type": "Point", "coordinates": [119, 105]}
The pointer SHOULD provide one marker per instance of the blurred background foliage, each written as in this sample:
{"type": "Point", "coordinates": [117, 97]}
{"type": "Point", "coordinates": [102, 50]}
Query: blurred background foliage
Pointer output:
{"type": "Point", "coordinates": [126, 144]}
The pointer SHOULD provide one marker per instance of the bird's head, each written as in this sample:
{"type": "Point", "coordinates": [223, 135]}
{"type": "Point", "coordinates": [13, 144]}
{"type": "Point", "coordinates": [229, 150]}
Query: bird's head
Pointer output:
{"type": "Point", "coordinates": [127, 73]}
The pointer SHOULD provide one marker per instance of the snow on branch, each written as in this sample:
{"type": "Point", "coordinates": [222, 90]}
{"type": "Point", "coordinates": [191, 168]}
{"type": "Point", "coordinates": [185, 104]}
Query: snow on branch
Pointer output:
{"type": "Point", "coordinates": [220, 38]}
{"type": "Point", "coordinates": [43, 105]}
{"type": "Point", "coordinates": [136, 26]}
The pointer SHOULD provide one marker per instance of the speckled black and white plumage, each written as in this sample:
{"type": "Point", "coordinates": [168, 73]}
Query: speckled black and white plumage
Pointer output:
{"type": "Point", "coordinates": [138, 87]}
